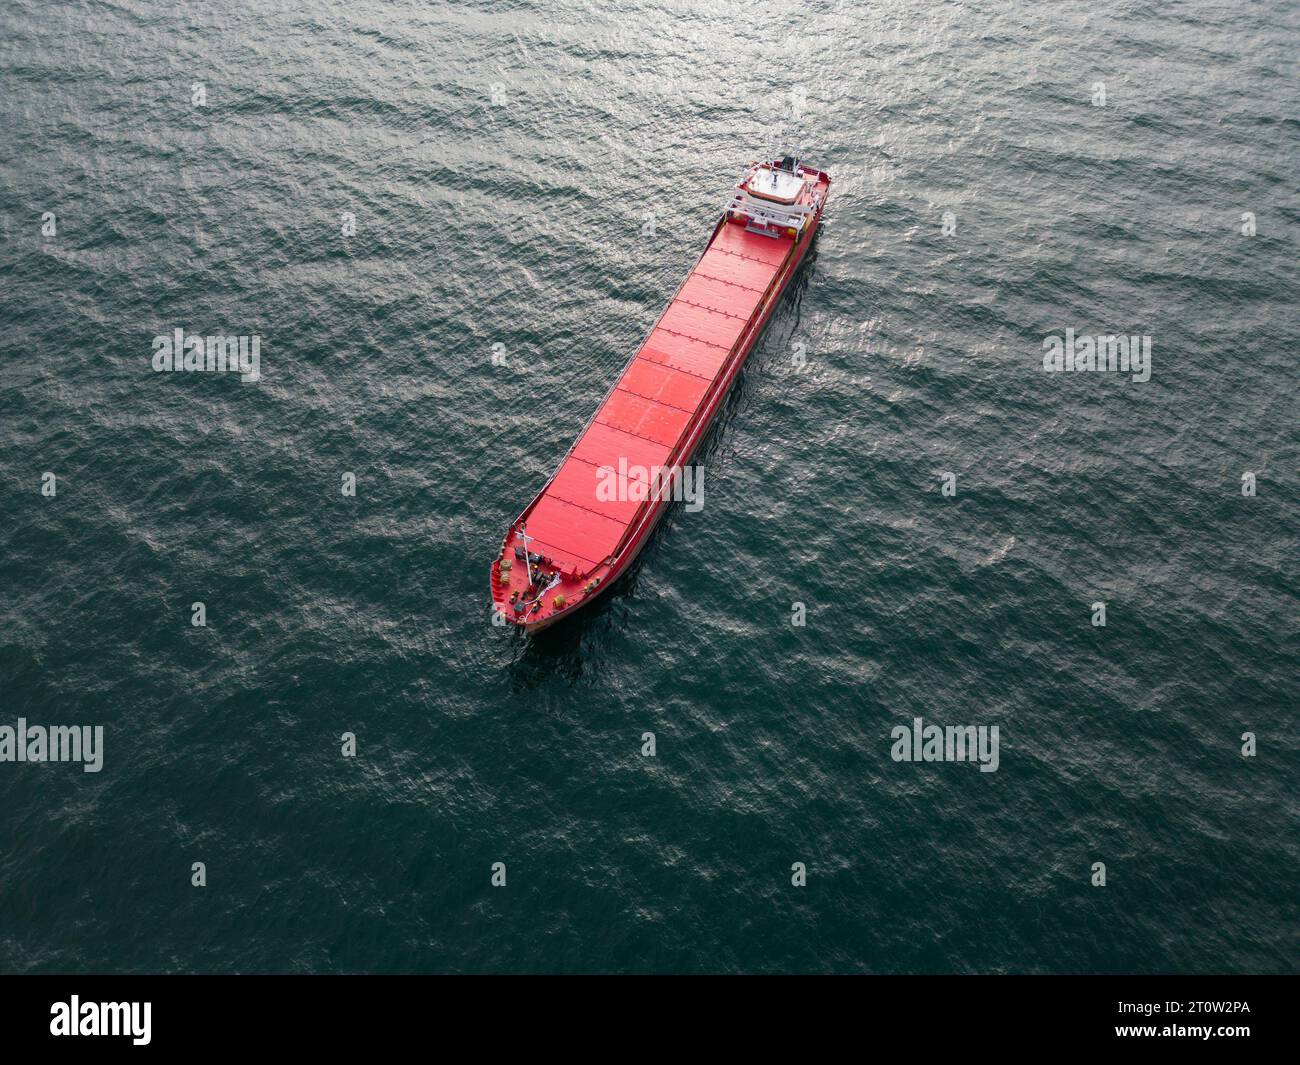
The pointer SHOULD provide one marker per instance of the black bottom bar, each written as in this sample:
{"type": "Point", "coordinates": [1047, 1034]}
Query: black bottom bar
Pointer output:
{"type": "Point", "coordinates": [338, 1014]}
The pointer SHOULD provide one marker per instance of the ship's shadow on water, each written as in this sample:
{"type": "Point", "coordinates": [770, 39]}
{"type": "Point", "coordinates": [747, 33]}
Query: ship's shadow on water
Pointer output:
{"type": "Point", "coordinates": [574, 649]}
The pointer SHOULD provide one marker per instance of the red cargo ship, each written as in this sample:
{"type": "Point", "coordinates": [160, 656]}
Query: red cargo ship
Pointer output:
{"type": "Point", "coordinates": [583, 529]}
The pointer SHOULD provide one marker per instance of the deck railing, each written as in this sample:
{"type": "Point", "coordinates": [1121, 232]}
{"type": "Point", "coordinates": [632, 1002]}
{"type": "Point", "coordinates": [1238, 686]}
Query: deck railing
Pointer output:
{"type": "Point", "coordinates": [775, 214]}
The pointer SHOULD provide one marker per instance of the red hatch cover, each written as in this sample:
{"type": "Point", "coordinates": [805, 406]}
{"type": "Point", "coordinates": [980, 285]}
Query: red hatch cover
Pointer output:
{"type": "Point", "coordinates": [584, 485]}
{"type": "Point", "coordinates": [603, 445]}
{"type": "Point", "coordinates": [701, 324]}
{"type": "Point", "coordinates": [682, 353]}
{"type": "Point", "coordinates": [573, 529]}
{"type": "Point", "coordinates": [643, 417]}
{"type": "Point", "coordinates": [726, 266]}
{"type": "Point", "coordinates": [719, 296]}
{"type": "Point", "coordinates": [770, 250]}
{"type": "Point", "coordinates": [664, 384]}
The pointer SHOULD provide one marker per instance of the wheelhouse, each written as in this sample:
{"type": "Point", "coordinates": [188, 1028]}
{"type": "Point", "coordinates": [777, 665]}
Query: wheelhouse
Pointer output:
{"type": "Point", "coordinates": [775, 198]}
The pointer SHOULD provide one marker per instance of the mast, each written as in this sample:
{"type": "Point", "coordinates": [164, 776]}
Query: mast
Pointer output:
{"type": "Point", "coordinates": [528, 560]}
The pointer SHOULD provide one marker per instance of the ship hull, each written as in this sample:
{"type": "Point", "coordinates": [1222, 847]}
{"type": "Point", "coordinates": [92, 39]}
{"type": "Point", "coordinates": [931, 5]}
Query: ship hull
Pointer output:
{"type": "Point", "coordinates": [642, 525]}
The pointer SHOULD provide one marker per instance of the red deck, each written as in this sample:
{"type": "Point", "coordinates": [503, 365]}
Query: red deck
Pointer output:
{"type": "Point", "coordinates": [649, 418]}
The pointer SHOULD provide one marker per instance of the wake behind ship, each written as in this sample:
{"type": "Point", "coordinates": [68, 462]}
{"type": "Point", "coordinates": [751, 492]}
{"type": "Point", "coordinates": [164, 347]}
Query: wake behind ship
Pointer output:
{"type": "Point", "coordinates": [576, 537]}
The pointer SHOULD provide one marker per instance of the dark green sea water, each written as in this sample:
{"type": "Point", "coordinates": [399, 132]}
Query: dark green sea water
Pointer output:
{"type": "Point", "coordinates": [499, 160]}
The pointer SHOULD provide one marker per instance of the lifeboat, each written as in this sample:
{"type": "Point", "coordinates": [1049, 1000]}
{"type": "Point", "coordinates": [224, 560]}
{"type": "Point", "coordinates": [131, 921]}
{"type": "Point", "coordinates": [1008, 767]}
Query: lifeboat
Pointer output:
{"type": "Point", "coordinates": [584, 528]}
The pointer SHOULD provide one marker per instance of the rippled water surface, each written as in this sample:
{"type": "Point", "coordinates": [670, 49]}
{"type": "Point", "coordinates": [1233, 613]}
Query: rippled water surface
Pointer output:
{"type": "Point", "coordinates": [499, 160]}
